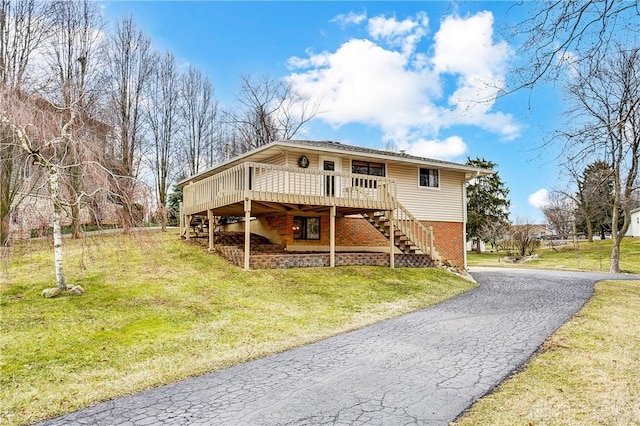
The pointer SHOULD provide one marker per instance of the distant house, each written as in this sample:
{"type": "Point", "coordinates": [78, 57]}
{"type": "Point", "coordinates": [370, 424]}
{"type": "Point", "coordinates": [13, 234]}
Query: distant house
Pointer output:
{"type": "Point", "coordinates": [634, 224]}
{"type": "Point", "coordinates": [337, 199]}
{"type": "Point", "coordinates": [31, 209]}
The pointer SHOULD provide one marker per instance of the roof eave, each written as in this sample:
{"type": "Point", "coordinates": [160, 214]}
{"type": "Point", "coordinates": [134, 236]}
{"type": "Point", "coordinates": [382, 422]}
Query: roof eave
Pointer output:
{"type": "Point", "coordinates": [470, 171]}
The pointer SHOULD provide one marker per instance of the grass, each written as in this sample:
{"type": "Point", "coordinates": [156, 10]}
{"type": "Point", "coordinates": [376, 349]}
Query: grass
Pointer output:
{"type": "Point", "coordinates": [585, 374]}
{"type": "Point", "coordinates": [584, 255]}
{"type": "Point", "coordinates": [157, 310]}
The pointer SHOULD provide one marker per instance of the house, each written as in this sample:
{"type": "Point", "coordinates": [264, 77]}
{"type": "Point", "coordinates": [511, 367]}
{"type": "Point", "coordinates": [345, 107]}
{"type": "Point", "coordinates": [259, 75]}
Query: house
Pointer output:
{"type": "Point", "coordinates": [26, 201]}
{"type": "Point", "coordinates": [338, 200]}
{"type": "Point", "coordinates": [634, 224]}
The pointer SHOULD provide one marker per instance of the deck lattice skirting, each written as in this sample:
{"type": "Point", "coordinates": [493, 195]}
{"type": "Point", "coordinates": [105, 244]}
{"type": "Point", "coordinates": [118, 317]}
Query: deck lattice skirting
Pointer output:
{"type": "Point", "coordinates": [235, 256]}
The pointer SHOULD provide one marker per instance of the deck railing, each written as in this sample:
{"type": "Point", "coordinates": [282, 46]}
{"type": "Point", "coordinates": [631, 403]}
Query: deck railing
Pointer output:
{"type": "Point", "coordinates": [280, 184]}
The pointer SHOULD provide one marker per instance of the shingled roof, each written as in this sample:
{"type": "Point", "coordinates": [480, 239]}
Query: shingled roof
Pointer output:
{"type": "Point", "coordinates": [337, 147]}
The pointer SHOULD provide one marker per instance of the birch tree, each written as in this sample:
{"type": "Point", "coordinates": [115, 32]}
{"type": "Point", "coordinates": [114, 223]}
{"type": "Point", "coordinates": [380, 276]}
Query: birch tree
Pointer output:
{"type": "Point", "coordinates": [36, 133]}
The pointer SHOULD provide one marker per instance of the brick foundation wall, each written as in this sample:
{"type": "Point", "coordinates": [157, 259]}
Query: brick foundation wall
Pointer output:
{"type": "Point", "coordinates": [449, 241]}
{"type": "Point", "coordinates": [350, 231]}
{"type": "Point", "coordinates": [358, 232]}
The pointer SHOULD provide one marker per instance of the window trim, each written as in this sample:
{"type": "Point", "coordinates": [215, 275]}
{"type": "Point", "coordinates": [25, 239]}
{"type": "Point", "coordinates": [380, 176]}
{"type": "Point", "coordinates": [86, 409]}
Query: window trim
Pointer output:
{"type": "Point", "coordinates": [384, 167]}
{"type": "Point", "coordinates": [426, 186]}
{"type": "Point", "coordinates": [305, 228]}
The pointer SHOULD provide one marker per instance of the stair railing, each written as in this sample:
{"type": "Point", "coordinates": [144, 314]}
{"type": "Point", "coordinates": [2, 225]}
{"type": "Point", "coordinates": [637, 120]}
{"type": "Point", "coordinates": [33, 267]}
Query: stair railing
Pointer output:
{"type": "Point", "coordinates": [411, 227]}
{"type": "Point", "coordinates": [419, 234]}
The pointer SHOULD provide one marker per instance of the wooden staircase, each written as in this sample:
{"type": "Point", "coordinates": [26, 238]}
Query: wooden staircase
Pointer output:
{"type": "Point", "coordinates": [410, 236]}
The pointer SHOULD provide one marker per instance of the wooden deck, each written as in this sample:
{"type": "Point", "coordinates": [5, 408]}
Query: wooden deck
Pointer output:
{"type": "Point", "coordinates": [272, 188]}
{"type": "Point", "coordinates": [252, 189]}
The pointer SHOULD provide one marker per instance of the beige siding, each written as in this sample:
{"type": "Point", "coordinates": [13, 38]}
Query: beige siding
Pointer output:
{"type": "Point", "coordinates": [435, 204]}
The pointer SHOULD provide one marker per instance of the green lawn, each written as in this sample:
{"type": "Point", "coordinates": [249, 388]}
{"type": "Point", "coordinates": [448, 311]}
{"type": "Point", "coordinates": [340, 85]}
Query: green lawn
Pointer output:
{"type": "Point", "coordinates": [158, 309]}
{"type": "Point", "coordinates": [581, 256]}
{"type": "Point", "coordinates": [586, 373]}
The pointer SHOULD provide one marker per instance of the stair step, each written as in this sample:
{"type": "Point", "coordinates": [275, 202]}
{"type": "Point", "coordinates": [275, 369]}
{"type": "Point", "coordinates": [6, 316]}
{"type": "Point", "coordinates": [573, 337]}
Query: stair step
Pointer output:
{"type": "Point", "coordinates": [382, 223]}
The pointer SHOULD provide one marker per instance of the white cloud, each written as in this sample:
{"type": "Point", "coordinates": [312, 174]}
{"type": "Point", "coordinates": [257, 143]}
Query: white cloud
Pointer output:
{"type": "Point", "coordinates": [345, 19]}
{"type": "Point", "coordinates": [449, 148]}
{"type": "Point", "coordinates": [465, 46]}
{"type": "Point", "coordinates": [405, 34]}
{"type": "Point", "coordinates": [390, 83]}
{"type": "Point", "coordinates": [539, 199]}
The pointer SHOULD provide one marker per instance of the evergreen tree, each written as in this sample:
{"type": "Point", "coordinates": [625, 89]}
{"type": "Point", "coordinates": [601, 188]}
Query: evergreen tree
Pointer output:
{"type": "Point", "coordinates": [487, 202]}
{"type": "Point", "coordinates": [595, 199]}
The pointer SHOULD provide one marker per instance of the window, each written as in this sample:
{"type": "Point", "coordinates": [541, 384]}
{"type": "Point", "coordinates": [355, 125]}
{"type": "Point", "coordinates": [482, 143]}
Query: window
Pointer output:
{"type": "Point", "coordinates": [367, 168]}
{"type": "Point", "coordinates": [306, 228]}
{"type": "Point", "coordinates": [429, 178]}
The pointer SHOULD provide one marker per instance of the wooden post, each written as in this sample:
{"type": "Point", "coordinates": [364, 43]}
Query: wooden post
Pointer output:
{"type": "Point", "coordinates": [187, 226]}
{"type": "Point", "coordinates": [181, 219]}
{"type": "Point", "coordinates": [211, 229]}
{"type": "Point", "coordinates": [332, 237]}
{"type": "Point", "coordinates": [431, 243]}
{"type": "Point", "coordinates": [247, 233]}
{"type": "Point", "coordinates": [392, 240]}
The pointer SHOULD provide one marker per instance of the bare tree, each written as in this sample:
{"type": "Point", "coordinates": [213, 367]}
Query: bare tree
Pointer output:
{"type": "Point", "coordinates": [560, 214]}
{"type": "Point", "coordinates": [494, 232]}
{"type": "Point", "coordinates": [606, 104]}
{"type": "Point", "coordinates": [198, 109]}
{"type": "Point", "coordinates": [558, 33]}
{"type": "Point", "coordinates": [21, 33]}
{"type": "Point", "coordinates": [268, 110]}
{"type": "Point", "coordinates": [162, 116]}
{"type": "Point", "coordinates": [34, 131]}
{"type": "Point", "coordinates": [523, 240]}
{"type": "Point", "coordinates": [129, 65]}
{"type": "Point", "coordinates": [72, 51]}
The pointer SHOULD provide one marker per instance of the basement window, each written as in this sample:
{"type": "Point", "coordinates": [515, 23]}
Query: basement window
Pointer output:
{"type": "Point", "coordinates": [306, 228]}
{"type": "Point", "coordinates": [429, 178]}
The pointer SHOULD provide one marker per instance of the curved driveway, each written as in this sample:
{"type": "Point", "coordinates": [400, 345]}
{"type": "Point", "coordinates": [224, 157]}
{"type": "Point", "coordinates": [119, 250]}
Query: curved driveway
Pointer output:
{"type": "Point", "coordinates": [422, 368]}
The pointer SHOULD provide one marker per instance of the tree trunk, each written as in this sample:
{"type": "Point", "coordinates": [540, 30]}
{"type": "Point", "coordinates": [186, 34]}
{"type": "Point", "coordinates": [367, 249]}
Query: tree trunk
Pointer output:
{"type": "Point", "coordinates": [54, 187]}
{"type": "Point", "coordinates": [126, 192]}
{"type": "Point", "coordinates": [163, 216]}
{"type": "Point", "coordinates": [615, 253]}
{"type": "Point", "coordinates": [589, 230]}
{"type": "Point", "coordinates": [76, 232]}
{"type": "Point", "coordinates": [5, 220]}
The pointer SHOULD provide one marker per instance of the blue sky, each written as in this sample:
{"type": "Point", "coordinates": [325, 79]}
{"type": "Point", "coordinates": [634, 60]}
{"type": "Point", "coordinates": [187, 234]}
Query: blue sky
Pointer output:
{"type": "Point", "coordinates": [419, 75]}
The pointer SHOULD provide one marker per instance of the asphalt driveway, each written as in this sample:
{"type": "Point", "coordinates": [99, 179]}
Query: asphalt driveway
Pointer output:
{"type": "Point", "coordinates": [423, 368]}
